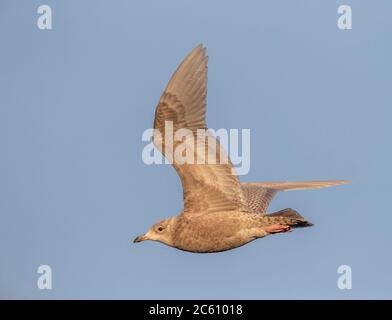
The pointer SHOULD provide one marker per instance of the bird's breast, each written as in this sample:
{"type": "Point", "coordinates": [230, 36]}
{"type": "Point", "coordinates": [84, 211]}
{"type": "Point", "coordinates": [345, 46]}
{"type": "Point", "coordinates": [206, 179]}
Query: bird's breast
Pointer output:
{"type": "Point", "coordinates": [213, 232]}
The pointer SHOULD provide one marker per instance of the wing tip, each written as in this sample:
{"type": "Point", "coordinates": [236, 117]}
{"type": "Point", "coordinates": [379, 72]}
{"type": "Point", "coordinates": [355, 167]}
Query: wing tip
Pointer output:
{"type": "Point", "coordinates": [297, 185]}
{"type": "Point", "coordinates": [200, 48]}
{"type": "Point", "coordinates": [338, 182]}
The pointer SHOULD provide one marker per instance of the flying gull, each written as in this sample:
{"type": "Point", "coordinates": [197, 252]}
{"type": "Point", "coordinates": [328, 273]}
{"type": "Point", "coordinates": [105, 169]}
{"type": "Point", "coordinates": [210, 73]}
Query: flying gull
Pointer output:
{"type": "Point", "coordinates": [220, 212]}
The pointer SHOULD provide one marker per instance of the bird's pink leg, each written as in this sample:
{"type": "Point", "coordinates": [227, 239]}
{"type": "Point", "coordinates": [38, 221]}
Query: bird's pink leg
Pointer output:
{"type": "Point", "coordinates": [276, 228]}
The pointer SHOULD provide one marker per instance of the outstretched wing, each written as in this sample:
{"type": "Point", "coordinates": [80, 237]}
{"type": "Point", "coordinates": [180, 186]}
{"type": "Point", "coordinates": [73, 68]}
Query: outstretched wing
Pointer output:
{"type": "Point", "coordinates": [182, 107]}
{"type": "Point", "coordinates": [258, 195]}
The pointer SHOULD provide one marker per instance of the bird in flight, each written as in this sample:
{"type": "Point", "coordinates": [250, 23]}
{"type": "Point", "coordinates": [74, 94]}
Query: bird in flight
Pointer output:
{"type": "Point", "coordinates": [220, 213]}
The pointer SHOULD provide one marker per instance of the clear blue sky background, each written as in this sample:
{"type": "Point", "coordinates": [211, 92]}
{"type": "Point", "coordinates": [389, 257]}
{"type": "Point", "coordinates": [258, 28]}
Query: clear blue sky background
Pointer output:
{"type": "Point", "coordinates": [74, 102]}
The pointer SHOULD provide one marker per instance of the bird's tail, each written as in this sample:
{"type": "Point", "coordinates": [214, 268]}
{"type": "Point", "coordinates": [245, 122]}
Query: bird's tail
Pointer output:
{"type": "Point", "coordinates": [288, 217]}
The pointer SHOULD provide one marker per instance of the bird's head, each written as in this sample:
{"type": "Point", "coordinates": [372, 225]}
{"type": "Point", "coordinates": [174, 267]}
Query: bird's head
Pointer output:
{"type": "Point", "coordinates": [160, 231]}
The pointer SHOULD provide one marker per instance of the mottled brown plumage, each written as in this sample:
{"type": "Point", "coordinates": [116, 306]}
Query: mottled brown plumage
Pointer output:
{"type": "Point", "coordinates": [219, 213]}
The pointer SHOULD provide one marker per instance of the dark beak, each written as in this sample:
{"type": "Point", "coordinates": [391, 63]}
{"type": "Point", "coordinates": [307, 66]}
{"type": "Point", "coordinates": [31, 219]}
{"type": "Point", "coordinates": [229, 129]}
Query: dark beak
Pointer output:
{"type": "Point", "coordinates": [139, 239]}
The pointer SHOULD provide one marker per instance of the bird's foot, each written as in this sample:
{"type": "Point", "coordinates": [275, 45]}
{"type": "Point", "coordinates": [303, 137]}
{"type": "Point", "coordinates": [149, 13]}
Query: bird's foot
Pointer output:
{"type": "Point", "coordinates": [277, 228]}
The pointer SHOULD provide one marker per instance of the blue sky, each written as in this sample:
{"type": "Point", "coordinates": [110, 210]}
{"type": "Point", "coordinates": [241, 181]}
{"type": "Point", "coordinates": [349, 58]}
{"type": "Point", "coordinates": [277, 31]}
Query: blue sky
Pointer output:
{"type": "Point", "coordinates": [75, 101]}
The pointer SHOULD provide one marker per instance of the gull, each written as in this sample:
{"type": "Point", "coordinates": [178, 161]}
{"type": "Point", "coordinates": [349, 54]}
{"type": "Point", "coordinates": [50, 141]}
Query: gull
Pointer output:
{"type": "Point", "coordinates": [219, 213]}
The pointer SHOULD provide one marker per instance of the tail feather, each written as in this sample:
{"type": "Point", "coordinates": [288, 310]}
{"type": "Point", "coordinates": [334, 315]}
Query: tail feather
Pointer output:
{"type": "Point", "coordinates": [290, 217]}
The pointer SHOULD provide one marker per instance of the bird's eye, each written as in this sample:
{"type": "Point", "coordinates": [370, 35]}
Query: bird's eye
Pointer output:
{"type": "Point", "coordinates": [160, 229]}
